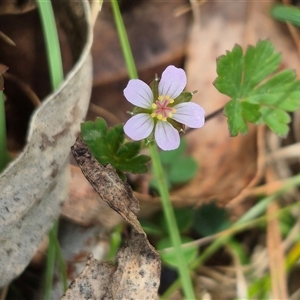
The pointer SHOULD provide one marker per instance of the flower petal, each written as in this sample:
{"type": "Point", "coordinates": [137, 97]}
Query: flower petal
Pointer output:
{"type": "Point", "coordinates": [139, 126]}
{"type": "Point", "coordinates": [138, 93]}
{"type": "Point", "coordinates": [166, 136]}
{"type": "Point", "coordinates": [190, 114]}
{"type": "Point", "coordinates": [172, 83]}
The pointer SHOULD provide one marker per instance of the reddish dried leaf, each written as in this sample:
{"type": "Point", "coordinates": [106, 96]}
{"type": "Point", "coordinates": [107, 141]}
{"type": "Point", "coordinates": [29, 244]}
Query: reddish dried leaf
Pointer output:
{"type": "Point", "coordinates": [84, 205]}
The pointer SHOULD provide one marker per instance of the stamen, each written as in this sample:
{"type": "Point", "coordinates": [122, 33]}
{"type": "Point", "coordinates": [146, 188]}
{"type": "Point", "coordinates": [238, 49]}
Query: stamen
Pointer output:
{"type": "Point", "coordinates": [161, 109]}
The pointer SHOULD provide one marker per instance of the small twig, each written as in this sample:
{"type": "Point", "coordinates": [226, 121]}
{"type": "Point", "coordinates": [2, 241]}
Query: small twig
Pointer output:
{"type": "Point", "coordinates": [207, 118]}
{"type": "Point", "coordinates": [213, 114]}
{"type": "Point", "coordinates": [100, 111]}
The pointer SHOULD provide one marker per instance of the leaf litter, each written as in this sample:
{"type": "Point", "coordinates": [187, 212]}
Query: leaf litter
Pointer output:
{"type": "Point", "coordinates": [242, 23]}
{"type": "Point", "coordinates": [137, 273]}
{"type": "Point", "coordinates": [219, 174]}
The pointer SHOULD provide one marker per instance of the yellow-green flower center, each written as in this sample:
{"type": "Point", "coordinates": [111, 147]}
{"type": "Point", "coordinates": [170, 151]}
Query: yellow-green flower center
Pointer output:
{"type": "Point", "coordinates": [161, 110]}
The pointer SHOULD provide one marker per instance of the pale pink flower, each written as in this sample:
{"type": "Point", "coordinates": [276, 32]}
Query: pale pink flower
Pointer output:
{"type": "Point", "coordinates": [156, 115]}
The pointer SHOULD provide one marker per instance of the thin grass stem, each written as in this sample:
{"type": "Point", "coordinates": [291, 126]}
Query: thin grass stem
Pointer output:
{"type": "Point", "coordinates": [125, 46]}
{"type": "Point", "coordinates": [56, 77]}
{"type": "Point", "coordinates": [251, 214]}
{"type": "Point", "coordinates": [51, 42]}
{"type": "Point", "coordinates": [158, 172]}
{"type": "Point", "coordinates": [50, 263]}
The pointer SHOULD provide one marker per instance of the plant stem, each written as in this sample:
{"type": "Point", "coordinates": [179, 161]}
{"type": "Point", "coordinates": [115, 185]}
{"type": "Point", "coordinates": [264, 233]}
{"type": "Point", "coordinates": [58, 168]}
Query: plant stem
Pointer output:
{"type": "Point", "coordinates": [172, 224]}
{"type": "Point", "coordinates": [157, 167]}
{"type": "Point", "coordinates": [251, 214]}
{"type": "Point", "coordinates": [60, 259]}
{"type": "Point", "coordinates": [125, 46]}
{"type": "Point", "coordinates": [50, 262]}
{"type": "Point", "coordinates": [56, 76]}
{"type": "Point", "coordinates": [52, 42]}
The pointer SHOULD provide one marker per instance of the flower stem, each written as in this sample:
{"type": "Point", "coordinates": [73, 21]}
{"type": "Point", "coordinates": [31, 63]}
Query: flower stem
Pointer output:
{"type": "Point", "coordinates": [172, 224]}
{"type": "Point", "coordinates": [250, 216]}
{"type": "Point", "coordinates": [157, 167]}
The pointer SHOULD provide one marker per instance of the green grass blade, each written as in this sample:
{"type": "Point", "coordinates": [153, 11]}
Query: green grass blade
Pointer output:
{"type": "Point", "coordinates": [52, 42]}
{"type": "Point", "coordinates": [286, 13]}
{"type": "Point", "coordinates": [125, 46]}
{"type": "Point", "coordinates": [56, 76]}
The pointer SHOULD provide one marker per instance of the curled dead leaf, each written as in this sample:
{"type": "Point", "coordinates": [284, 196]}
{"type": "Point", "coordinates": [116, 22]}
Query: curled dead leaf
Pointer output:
{"type": "Point", "coordinates": [34, 185]}
{"type": "Point", "coordinates": [16, 7]}
{"type": "Point", "coordinates": [137, 274]}
{"type": "Point", "coordinates": [117, 193]}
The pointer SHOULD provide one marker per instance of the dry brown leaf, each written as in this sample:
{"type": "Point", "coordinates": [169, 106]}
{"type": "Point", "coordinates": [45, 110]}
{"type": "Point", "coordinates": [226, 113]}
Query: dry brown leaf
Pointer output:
{"type": "Point", "coordinates": [83, 205]}
{"type": "Point", "coordinates": [227, 165]}
{"type": "Point", "coordinates": [225, 168]}
{"type": "Point", "coordinates": [111, 189]}
{"type": "Point", "coordinates": [34, 185]}
{"type": "Point", "coordinates": [92, 283]}
{"type": "Point", "coordinates": [137, 274]}
{"type": "Point", "coordinates": [16, 7]}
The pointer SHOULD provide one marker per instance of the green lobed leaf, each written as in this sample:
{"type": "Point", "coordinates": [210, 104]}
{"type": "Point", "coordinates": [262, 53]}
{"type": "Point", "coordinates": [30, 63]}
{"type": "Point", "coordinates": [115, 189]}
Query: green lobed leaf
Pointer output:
{"type": "Point", "coordinates": [286, 13]}
{"type": "Point", "coordinates": [183, 170]}
{"type": "Point", "coordinates": [236, 122]}
{"type": "Point", "coordinates": [115, 137]}
{"type": "Point", "coordinates": [250, 112]}
{"type": "Point", "coordinates": [169, 157]}
{"type": "Point", "coordinates": [178, 167]}
{"type": "Point", "coordinates": [230, 71]}
{"type": "Point", "coordinates": [257, 94]}
{"type": "Point", "coordinates": [210, 219]}
{"type": "Point", "coordinates": [260, 61]}
{"type": "Point", "coordinates": [151, 228]}
{"type": "Point", "coordinates": [183, 218]}
{"type": "Point", "coordinates": [170, 258]}
{"type": "Point", "coordinates": [276, 119]}
{"type": "Point", "coordinates": [281, 91]}
{"type": "Point", "coordinates": [108, 147]}
{"type": "Point", "coordinates": [128, 150]}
